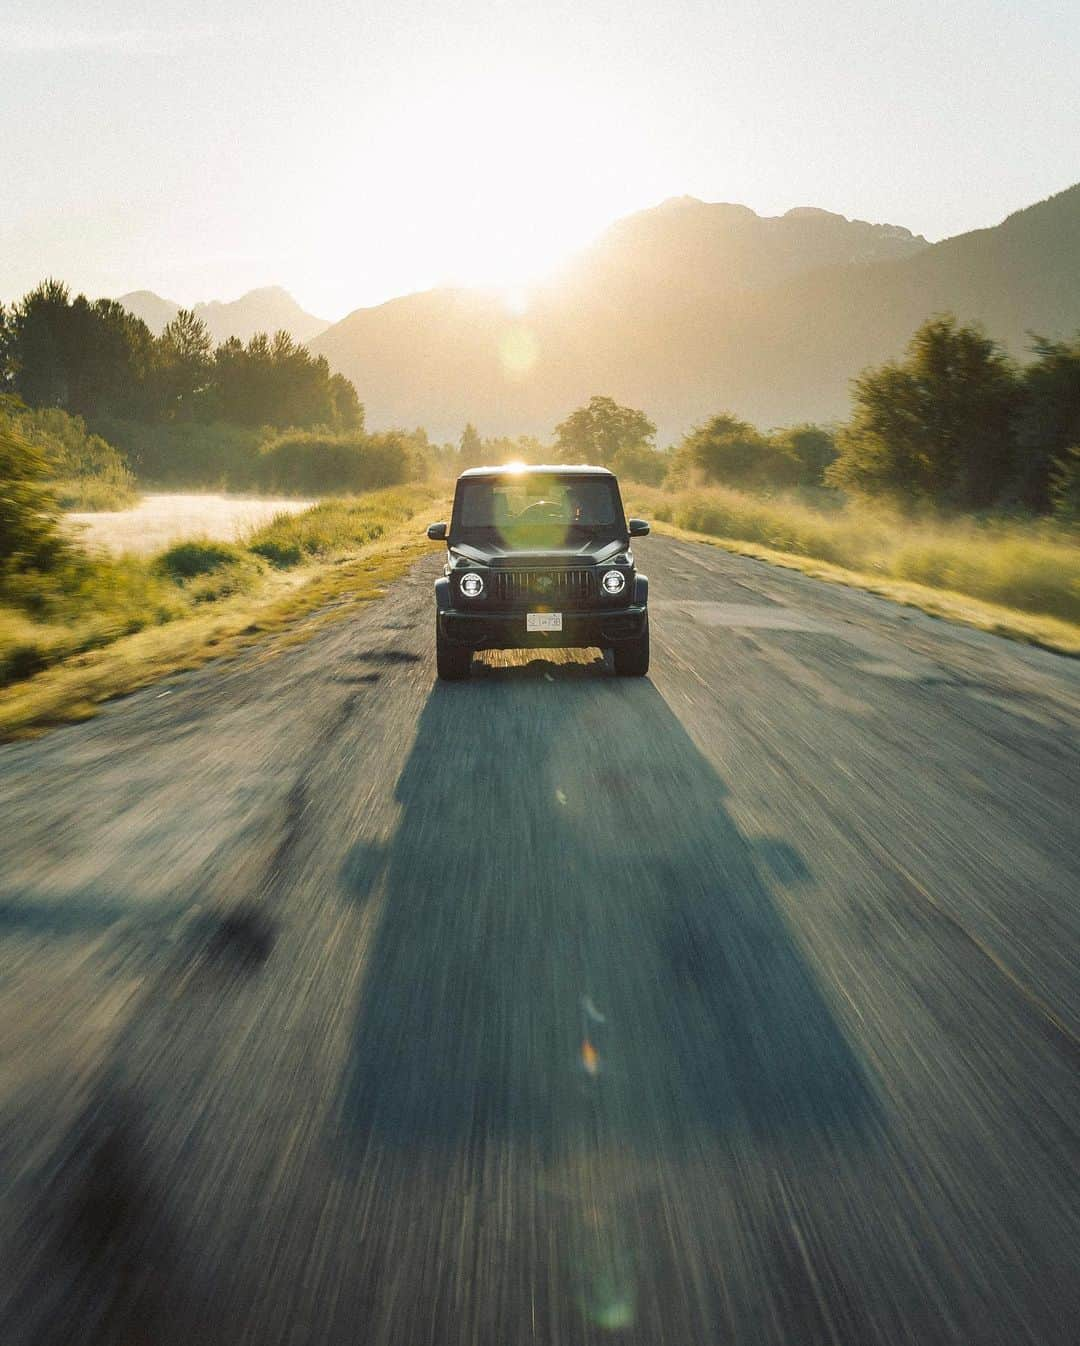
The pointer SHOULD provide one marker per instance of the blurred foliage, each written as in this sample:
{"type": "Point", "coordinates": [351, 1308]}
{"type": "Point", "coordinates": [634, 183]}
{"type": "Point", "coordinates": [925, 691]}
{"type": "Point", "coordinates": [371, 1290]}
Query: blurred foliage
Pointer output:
{"type": "Point", "coordinates": [57, 600]}
{"type": "Point", "coordinates": [1029, 566]}
{"type": "Point", "coordinates": [317, 463]}
{"type": "Point", "coordinates": [472, 451]}
{"type": "Point", "coordinates": [937, 426]}
{"type": "Point", "coordinates": [640, 462]}
{"type": "Point", "coordinates": [1065, 486]}
{"type": "Point", "coordinates": [185, 454]}
{"type": "Point", "coordinates": [727, 449]}
{"type": "Point", "coordinates": [1047, 423]}
{"type": "Point", "coordinates": [198, 556]}
{"type": "Point", "coordinates": [595, 434]}
{"type": "Point", "coordinates": [333, 527]}
{"type": "Point", "coordinates": [85, 471]}
{"type": "Point", "coordinates": [30, 538]}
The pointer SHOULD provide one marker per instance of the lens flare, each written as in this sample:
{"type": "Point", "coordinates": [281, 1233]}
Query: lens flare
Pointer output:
{"type": "Point", "coordinates": [518, 352]}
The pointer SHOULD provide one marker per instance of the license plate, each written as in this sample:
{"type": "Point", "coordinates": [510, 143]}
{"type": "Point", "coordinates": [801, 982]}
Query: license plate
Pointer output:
{"type": "Point", "coordinates": [543, 621]}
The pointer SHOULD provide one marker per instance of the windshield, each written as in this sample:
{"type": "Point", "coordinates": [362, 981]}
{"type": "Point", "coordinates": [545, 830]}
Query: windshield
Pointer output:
{"type": "Point", "coordinates": [537, 509]}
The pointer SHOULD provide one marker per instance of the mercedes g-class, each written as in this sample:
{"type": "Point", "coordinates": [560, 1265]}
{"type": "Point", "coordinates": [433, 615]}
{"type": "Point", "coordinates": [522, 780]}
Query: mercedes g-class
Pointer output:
{"type": "Point", "coordinates": [539, 557]}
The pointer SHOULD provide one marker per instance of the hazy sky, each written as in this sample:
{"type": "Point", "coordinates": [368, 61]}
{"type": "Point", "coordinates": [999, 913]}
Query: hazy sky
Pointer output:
{"type": "Point", "coordinates": [353, 151]}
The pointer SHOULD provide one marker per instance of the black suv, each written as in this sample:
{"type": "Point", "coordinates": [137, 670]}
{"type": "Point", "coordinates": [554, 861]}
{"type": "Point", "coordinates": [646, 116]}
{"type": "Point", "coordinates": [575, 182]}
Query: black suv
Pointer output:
{"type": "Point", "coordinates": [539, 557]}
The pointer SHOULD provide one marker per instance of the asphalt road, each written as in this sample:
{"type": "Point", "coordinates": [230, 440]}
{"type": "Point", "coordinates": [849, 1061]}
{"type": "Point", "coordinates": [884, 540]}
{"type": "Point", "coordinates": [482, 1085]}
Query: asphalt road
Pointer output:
{"type": "Point", "coordinates": [738, 1004]}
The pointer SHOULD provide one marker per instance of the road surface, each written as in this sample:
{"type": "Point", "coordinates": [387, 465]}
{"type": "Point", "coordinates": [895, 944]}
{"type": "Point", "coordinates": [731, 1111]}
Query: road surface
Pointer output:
{"type": "Point", "coordinates": [738, 1004]}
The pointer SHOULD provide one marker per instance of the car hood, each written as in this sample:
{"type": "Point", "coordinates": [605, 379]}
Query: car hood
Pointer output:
{"type": "Point", "coordinates": [591, 551]}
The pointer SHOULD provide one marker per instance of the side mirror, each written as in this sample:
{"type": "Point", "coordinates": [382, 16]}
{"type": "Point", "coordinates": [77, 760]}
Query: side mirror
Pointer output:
{"type": "Point", "coordinates": [437, 532]}
{"type": "Point", "coordinates": [638, 528]}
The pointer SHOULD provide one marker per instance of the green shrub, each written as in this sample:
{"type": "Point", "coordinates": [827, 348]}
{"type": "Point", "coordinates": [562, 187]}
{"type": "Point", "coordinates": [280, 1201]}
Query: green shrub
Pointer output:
{"type": "Point", "coordinates": [198, 556]}
{"type": "Point", "coordinates": [30, 538]}
{"type": "Point", "coordinates": [639, 462]}
{"type": "Point", "coordinates": [88, 472]}
{"type": "Point", "coordinates": [731, 451]}
{"type": "Point", "coordinates": [314, 463]}
{"type": "Point", "coordinates": [209, 571]}
{"type": "Point", "coordinates": [282, 553]}
{"type": "Point", "coordinates": [192, 455]}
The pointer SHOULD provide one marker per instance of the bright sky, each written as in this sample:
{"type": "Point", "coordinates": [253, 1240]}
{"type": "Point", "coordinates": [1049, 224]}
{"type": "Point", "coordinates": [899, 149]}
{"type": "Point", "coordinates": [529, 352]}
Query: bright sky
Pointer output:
{"type": "Point", "coordinates": [353, 151]}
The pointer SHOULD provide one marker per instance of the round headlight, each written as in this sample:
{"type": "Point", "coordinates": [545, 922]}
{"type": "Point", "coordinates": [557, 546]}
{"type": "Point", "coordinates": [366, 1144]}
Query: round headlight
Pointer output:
{"type": "Point", "coordinates": [614, 581]}
{"type": "Point", "coordinates": [472, 584]}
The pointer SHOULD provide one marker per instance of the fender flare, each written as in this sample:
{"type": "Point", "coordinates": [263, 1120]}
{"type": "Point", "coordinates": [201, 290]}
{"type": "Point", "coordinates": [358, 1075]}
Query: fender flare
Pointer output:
{"type": "Point", "coordinates": [442, 594]}
{"type": "Point", "coordinates": [641, 590]}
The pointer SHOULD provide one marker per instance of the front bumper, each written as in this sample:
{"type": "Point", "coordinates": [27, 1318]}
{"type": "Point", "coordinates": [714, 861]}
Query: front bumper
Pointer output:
{"type": "Point", "coordinates": [485, 630]}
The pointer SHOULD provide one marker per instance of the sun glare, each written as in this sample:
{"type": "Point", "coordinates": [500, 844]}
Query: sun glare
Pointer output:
{"type": "Point", "coordinates": [517, 172]}
{"type": "Point", "coordinates": [518, 350]}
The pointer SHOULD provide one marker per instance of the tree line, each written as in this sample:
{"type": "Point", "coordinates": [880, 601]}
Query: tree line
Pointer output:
{"type": "Point", "coordinates": [94, 359]}
{"type": "Point", "coordinates": [955, 424]}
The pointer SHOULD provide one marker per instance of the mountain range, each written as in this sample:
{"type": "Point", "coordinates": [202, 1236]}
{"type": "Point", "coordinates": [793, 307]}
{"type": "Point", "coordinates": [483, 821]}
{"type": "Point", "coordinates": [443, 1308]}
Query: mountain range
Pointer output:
{"type": "Point", "coordinates": [266, 310]}
{"type": "Point", "coordinates": [692, 308]}
{"type": "Point", "coordinates": [683, 310]}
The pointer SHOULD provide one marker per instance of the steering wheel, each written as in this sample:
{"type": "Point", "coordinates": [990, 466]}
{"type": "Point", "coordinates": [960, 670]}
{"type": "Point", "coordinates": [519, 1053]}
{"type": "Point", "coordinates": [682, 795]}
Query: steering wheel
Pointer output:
{"type": "Point", "coordinates": [542, 509]}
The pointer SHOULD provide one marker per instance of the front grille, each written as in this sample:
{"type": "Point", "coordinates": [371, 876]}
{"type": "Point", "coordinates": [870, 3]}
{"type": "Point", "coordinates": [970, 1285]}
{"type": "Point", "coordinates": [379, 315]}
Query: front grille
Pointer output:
{"type": "Point", "coordinates": [565, 588]}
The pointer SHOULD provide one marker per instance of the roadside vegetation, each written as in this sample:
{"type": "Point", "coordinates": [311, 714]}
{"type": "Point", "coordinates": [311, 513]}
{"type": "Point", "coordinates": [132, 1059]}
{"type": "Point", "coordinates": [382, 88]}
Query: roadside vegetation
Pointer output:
{"type": "Point", "coordinates": [1032, 567]}
{"type": "Point", "coordinates": [58, 600]}
{"type": "Point", "coordinates": [85, 472]}
{"type": "Point", "coordinates": [958, 472]}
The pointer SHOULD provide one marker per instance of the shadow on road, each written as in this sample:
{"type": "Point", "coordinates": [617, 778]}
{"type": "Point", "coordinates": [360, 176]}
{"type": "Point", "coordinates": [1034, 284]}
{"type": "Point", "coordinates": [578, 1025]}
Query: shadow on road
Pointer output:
{"type": "Point", "coordinates": [575, 945]}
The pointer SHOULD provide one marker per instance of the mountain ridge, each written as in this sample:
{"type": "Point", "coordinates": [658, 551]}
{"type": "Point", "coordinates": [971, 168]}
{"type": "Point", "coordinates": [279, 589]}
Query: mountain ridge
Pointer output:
{"type": "Point", "coordinates": [683, 327]}
{"type": "Point", "coordinates": [269, 308]}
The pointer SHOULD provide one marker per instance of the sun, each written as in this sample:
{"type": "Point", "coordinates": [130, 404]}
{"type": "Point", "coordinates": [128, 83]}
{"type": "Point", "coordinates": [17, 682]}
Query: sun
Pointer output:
{"type": "Point", "coordinates": [495, 189]}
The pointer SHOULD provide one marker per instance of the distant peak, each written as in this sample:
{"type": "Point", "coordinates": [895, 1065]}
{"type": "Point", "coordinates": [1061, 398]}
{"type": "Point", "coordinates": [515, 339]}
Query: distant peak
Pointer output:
{"type": "Point", "coordinates": [269, 292]}
{"type": "Point", "coordinates": [674, 203]}
{"type": "Point", "coordinates": [811, 212]}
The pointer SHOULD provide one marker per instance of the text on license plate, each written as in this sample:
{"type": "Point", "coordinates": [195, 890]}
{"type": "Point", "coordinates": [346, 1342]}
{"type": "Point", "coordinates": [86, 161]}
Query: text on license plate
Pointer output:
{"type": "Point", "coordinates": [543, 621]}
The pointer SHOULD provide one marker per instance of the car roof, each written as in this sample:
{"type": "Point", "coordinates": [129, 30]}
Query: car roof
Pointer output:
{"type": "Point", "coordinates": [538, 469]}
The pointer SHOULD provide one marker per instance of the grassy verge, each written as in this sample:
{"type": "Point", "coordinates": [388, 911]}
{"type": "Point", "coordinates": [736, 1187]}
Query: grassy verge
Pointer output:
{"type": "Point", "coordinates": [86, 495]}
{"type": "Point", "coordinates": [206, 599]}
{"type": "Point", "coordinates": [1015, 580]}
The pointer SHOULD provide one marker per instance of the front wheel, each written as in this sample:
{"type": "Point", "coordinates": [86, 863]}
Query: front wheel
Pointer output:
{"type": "Point", "coordinates": [632, 658]}
{"type": "Point", "coordinates": [452, 663]}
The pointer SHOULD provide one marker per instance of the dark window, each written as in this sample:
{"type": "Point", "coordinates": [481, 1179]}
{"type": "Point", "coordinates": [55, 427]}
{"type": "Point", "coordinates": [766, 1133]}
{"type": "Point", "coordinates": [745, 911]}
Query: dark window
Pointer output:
{"type": "Point", "coordinates": [513, 504]}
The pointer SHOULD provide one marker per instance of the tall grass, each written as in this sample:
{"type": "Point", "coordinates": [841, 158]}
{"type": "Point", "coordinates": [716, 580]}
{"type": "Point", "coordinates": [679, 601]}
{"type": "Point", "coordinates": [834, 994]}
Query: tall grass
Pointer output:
{"type": "Point", "coordinates": [334, 527]}
{"type": "Point", "coordinates": [83, 604]}
{"type": "Point", "coordinates": [88, 473]}
{"type": "Point", "coordinates": [92, 495]}
{"type": "Point", "coordinates": [89, 600]}
{"type": "Point", "coordinates": [1030, 567]}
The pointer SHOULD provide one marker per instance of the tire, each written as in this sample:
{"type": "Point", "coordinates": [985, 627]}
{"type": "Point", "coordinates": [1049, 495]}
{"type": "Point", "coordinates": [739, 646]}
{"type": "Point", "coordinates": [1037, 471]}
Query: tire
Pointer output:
{"type": "Point", "coordinates": [452, 663]}
{"type": "Point", "coordinates": [632, 659]}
